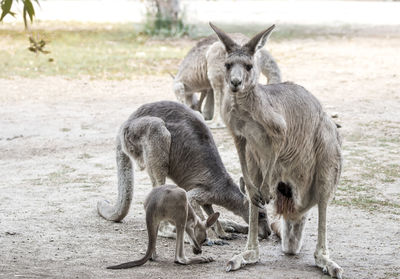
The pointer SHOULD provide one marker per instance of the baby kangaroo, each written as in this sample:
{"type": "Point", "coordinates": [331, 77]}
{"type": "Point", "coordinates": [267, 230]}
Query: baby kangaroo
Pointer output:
{"type": "Point", "coordinates": [170, 203]}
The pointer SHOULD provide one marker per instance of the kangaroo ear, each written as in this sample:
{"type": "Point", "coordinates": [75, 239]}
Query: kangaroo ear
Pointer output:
{"type": "Point", "coordinates": [242, 186]}
{"type": "Point", "coordinates": [212, 219]}
{"type": "Point", "coordinates": [259, 40]}
{"type": "Point", "coordinates": [229, 44]}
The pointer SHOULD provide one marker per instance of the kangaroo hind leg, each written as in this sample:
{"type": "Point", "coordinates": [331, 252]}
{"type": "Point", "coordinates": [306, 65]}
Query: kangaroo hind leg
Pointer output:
{"type": "Point", "coordinates": [321, 254]}
{"type": "Point", "coordinates": [180, 257]}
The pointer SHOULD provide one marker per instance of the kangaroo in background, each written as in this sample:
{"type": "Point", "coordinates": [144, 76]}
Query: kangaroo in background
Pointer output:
{"type": "Point", "coordinates": [288, 148]}
{"type": "Point", "coordinates": [202, 71]}
{"type": "Point", "coordinates": [170, 140]}
{"type": "Point", "coordinates": [169, 202]}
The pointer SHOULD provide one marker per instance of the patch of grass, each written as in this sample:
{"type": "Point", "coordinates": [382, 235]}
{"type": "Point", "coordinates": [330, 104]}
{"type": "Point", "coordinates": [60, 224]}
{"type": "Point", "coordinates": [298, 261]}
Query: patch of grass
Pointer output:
{"type": "Point", "coordinates": [85, 156]}
{"type": "Point", "coordinates": [116, 51]}
{"type": "Point", "coordinates": [105, 52]}
{"type": "Point", "coordinates": [366, 175]}
{"type": "Point", "coordinates": [66, 175]}
{"type": "Point", "coordinates": [65, 129]}
{"type": "Point", "coordinates": [370, 204]}
{"type": "Point", "coordinates": [392, 274]}
{"type": "Point", "coordinates": [60, 174]}
{"type": "Point", "coordinates": [85, 126]}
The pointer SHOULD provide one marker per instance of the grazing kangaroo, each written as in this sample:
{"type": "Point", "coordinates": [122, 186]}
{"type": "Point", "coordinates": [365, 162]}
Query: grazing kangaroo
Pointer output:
{"type": "Point", "coordinates": [202, 71]}
{"type": "Point", "coordinates": [169, 202]}
{"type": "Point", "coordinates": [170, 140]}
{"type": "Point", "coordinates": [288, 148]}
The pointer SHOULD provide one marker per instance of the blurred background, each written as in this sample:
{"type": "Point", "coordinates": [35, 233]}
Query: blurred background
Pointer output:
{"type": "Point", "coordinates": [121, 32]}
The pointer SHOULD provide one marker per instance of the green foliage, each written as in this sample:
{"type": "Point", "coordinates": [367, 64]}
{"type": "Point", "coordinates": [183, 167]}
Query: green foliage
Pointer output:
{"type": "Point", "coordinates": [27, 10]}
{"type": "Point", "coordinates": [6, 8]}
{"type": "Point", "coordinates": [36, 45]}
{"type": "Point", "coordinates": [164, 26]}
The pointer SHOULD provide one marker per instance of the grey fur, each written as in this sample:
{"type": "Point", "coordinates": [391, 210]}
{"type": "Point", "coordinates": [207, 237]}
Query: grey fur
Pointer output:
{"type": "Point", "coordinates": [282, 136]}
{"type": "Point", "coordinates": [170, 140]}
{"type": "Point", "coordinates": [169, 202]}
{"type": "Point", "coordinates": [200, 71]}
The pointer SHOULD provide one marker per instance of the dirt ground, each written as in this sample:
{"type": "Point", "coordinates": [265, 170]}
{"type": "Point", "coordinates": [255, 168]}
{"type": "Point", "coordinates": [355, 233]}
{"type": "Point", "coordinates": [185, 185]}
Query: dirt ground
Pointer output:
{"type": "Point", "coordinates": [57, 160]}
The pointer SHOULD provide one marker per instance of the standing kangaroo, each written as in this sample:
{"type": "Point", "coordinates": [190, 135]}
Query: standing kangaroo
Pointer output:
{"type": "Point", "coordinates": [170, 140]}
{"type": "Point", "coordinates": [288, 148]}
{"type": "Point", "coordinates": [202, 71]}
{"type": "Point", "coordinates": [169, 202]}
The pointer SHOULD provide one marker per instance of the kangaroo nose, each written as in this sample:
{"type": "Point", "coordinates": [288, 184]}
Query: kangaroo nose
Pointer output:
{"type": "Point", "coordinates": [236, 82]}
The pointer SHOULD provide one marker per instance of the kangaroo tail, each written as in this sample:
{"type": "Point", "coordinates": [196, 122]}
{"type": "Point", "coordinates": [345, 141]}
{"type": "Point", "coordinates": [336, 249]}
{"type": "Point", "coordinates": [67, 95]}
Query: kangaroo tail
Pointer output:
{"type": "Point", "coordinates": [269, 67]}
{"type": "Point", "coordinates": [118, 211]}
{"type": "Point", "coordinates": [152, 230]}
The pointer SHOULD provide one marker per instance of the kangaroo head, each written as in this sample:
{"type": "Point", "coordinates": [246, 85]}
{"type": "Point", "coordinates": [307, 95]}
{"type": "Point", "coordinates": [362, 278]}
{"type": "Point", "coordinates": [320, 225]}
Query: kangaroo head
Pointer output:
{"type": "Point", "coordinates": [241, 73]}
{"type": "Point", "coordinates": [198, 232]}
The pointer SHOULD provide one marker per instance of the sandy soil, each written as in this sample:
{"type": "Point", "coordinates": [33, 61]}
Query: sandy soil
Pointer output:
{"type": "Point", "coordinates": [57, 161]}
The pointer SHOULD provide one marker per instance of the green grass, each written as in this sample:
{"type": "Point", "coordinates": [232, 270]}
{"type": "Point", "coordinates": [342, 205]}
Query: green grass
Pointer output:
{"type": "Point", "coordinates": [66, 175]}
{"type": "Point", "coordinates": [116, 51]}
{"type": "Point", "coordinates": [365, 175]}
{"type": "Point", "coordinates": [105, 52]}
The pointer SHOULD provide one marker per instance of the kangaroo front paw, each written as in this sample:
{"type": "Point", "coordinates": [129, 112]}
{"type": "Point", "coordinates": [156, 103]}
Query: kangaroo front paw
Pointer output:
{"type": "Point", "coordinates": [257, 199]}
{"type": "Point", "coordinates": [238, 261]}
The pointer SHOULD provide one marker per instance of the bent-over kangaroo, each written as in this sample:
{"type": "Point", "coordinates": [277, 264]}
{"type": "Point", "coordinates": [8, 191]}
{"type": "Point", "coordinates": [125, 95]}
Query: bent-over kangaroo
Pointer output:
{"type": "Point", "coordinates": [170, 140]}
{"type": "Point", "coordinates": [288, 147]}
{"type": "Point", "coordinates": [202, 71]}
{"type": "Point", "coordinates": [169, 202]}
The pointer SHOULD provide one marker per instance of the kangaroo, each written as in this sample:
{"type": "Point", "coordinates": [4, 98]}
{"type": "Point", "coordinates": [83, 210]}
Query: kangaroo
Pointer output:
{"type": "Point", "coordinates": [169, 139]}
{"type": "Point", "coordinates": [169, 202]}
{"type": "Point", "coordinates": [289, 149]}
{"type": "Point", "coordinates": [202, 71]}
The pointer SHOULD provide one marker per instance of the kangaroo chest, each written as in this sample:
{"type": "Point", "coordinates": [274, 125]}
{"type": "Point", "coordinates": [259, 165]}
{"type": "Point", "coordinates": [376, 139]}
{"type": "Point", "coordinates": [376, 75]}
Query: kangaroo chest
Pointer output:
{"type": "Point", "coordinates": [244, 125]}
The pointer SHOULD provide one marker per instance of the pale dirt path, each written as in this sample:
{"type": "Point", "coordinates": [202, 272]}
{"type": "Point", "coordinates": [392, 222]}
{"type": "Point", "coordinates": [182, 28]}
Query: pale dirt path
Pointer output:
{"type": "Point", "coordinates": [53, 176]}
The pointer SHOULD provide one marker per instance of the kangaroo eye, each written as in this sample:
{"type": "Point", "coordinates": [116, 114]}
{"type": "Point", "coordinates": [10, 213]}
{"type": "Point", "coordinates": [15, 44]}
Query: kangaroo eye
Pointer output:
{"type": "Point", "coordinates": [228, 66]}
{"type": "Point", "coordinates": [249, 67]}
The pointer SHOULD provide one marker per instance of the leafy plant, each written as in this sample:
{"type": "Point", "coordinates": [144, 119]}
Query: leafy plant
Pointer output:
{"type": "Point", "coordinates": [157, 25]}
{"type": "Point", "coordinates": [28, 10]}
{"type": "Point", "coordinates": [164, 22]}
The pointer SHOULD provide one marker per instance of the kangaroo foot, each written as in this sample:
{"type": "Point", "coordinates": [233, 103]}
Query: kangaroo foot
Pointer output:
{"type": "Point", "coordinates": [154, 256]}
{"type": "Point", "coordinates": [244, 258]}
{"type": "Point", "coordinates": [328, 266]}
{"type": "Point", "coordinates": [215, 124]}
{"type": "Point", "coordinates": [229, 236]}
{"type": "Point", "coordinates": [276, 228]}
{"type": "Point", "coordinates": [193, 260]}
{"type": "Point", "coordinates": [167, 230]}
{"type": "Point", "coordinates": [230, 226]}
{"type": "Point", "coordinates": [212, 242]}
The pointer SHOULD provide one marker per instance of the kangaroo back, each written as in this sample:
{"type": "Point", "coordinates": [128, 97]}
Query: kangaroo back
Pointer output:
{"type": "Point", "coordinates": [193, 158]}
{"type": "Point", "coordinates": [147, 141]}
